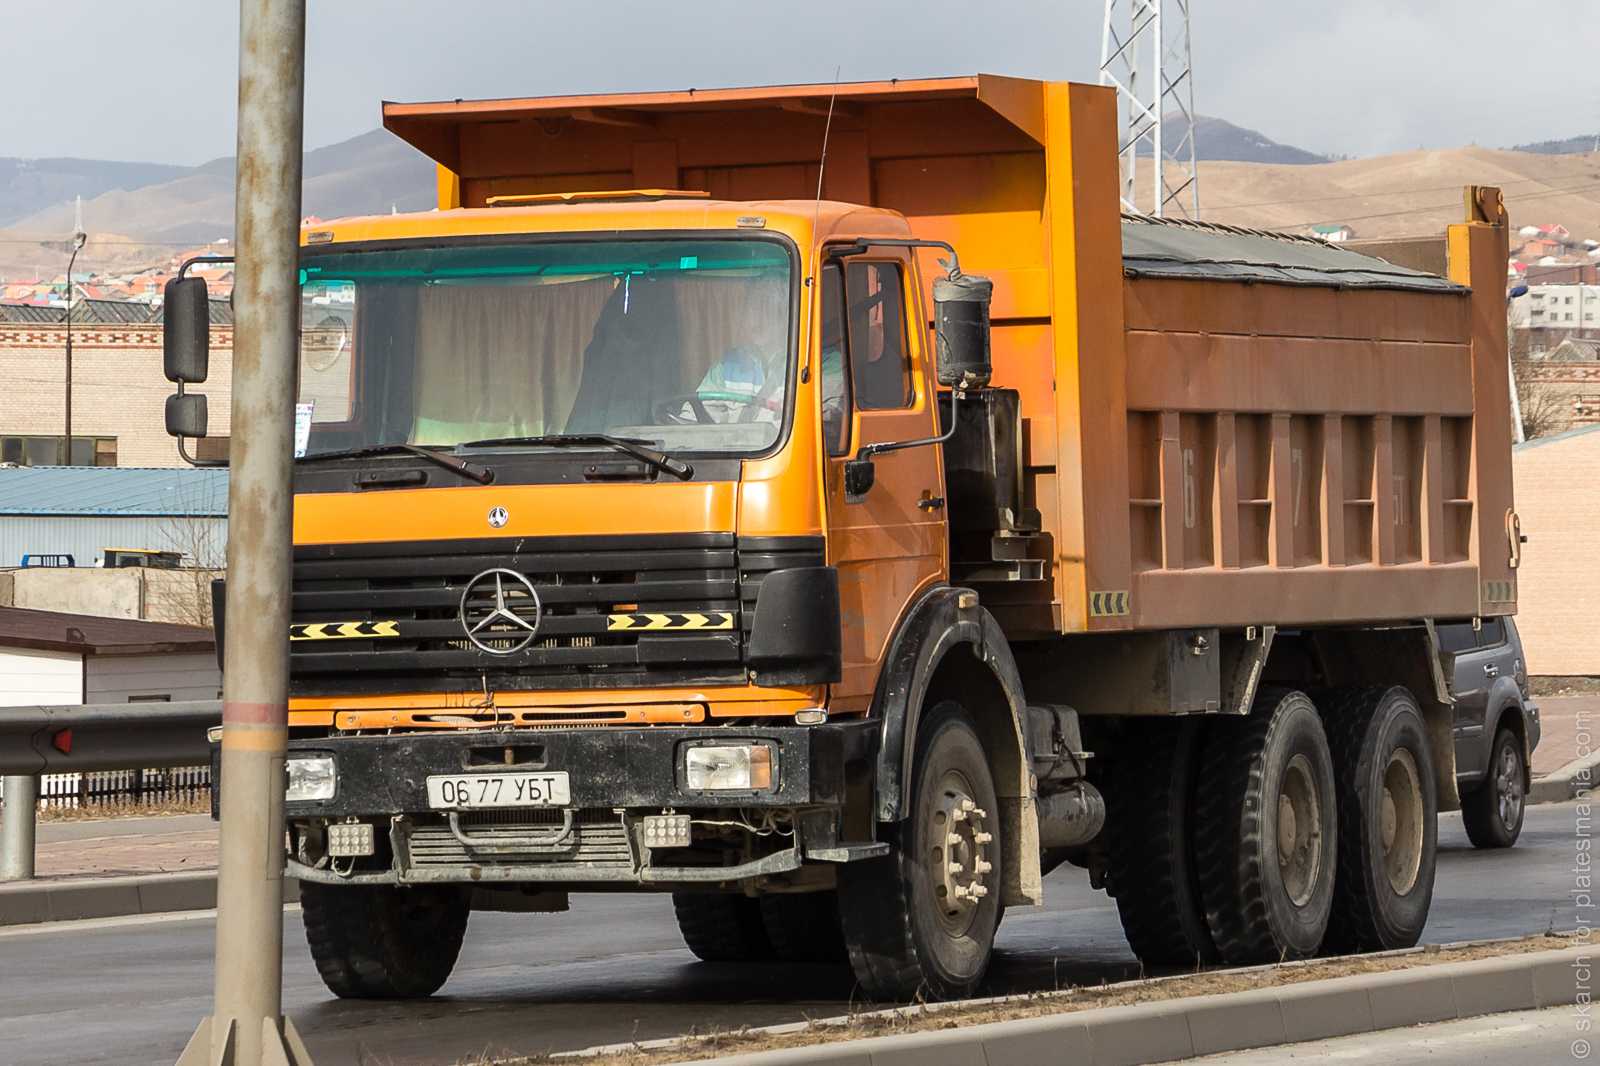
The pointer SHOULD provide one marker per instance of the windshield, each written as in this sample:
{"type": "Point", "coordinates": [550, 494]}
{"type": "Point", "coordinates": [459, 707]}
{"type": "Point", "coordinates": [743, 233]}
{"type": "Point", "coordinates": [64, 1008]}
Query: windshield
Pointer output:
{"type": "Point", "coordinates": [682, 343]}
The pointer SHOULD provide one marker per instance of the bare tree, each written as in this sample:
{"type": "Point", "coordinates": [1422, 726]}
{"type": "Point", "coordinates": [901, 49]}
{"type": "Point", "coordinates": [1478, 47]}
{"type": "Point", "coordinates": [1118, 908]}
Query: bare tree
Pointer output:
{"type": "Point", "coordinates": [1543, 410]}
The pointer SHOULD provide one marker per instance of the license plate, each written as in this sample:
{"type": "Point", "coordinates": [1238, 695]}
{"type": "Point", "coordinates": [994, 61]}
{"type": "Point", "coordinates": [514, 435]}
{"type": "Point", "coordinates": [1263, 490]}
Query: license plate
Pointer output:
{"type": "Point", "coordinates": [460, 792]}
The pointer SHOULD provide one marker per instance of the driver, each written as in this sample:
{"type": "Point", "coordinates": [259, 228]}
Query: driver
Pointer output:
{"type": "Point", "coordinates": [739, 387]}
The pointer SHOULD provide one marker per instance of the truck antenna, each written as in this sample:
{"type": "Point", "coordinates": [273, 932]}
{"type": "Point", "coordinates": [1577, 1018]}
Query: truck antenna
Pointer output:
{"type": "Point", "coordinates": [822, 165]}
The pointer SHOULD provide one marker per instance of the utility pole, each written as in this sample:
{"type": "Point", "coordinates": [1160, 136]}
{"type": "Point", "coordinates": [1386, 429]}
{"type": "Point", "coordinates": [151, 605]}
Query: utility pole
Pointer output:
{"type": "Point", "coordinates": [247, 1026]}
{"type": "Point", "coordinates": [1145, 55]}
{"type": "Point", "coordinates": [79, 237]}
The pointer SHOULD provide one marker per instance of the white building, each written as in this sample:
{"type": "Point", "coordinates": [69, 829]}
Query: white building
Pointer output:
{"type": "Point", "coordinates": [1563, 307]}
{"type": "Point", "coordinates": [47, 657]}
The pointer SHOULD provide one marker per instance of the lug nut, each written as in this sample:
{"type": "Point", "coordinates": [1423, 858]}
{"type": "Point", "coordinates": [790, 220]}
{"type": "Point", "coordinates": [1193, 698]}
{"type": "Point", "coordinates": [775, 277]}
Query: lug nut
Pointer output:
{"type": "Point", "coordinates": [977, 891]}
{"type": "Point", "coordinates": [982, 837]}
{"type": "Point", "coordinates": [981, 867]}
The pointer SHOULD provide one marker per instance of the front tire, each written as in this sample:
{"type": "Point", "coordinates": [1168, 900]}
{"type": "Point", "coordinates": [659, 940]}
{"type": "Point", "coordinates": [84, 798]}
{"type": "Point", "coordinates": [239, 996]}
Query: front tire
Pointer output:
{"type": "Point", "coordinates": [1266, 831]}
{"type": "Point", "coordinates": [921, 921]}
{"type": "Point", "coordinates": [384, 941]}
{"type": "Point", "coordinates": [1388, 820]}
{"type": "Point", "coordinates": [722, 927]}
{"type": "Point", "coordinates": [1492, 813]}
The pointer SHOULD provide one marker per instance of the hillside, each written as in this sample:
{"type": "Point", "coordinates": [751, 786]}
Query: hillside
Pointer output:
{"type": "Point", "coordinates": [1405, 194]}
{"type": "Point", "coordinates": [1586, 142]}
{"type": "Point", "coordinates": [359, 176]}
{"type": "Point", "coordinates": [29, 185]}
{"type": "Point", "coordinates": [1219, 139]}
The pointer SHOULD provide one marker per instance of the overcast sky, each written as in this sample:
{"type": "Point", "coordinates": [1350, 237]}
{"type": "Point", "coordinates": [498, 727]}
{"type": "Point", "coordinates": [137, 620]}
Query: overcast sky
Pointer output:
{"type": "Point", "coordinates": [154, 80]}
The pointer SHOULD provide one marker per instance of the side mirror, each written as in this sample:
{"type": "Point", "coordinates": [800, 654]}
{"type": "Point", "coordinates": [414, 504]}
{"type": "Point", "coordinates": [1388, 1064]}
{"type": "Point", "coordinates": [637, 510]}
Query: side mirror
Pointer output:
{"type": "Point", "coordinates": [859, 476]}
{"type": "Point", "coordinates": [186, 332]}
{"type": "Point", "coordinates": [961, 330]}
{"type": "Point", "coordinates": [186, 415]}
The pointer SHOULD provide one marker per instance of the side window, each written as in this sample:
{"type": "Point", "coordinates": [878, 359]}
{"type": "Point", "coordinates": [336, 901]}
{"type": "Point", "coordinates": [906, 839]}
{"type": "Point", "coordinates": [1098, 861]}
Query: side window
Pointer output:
{"type": "Point", "coordinates": [835, 383]}
{"type": "Point", "coordinates": [1492, 634]}
{"type": "Point", "coordinates": [880, 366]}
{"type": "Point", "coordinates": [1457, 638]}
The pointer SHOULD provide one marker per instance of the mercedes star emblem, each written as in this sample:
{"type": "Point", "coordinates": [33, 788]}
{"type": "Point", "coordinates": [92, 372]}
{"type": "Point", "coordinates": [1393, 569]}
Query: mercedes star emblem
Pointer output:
{"type": "Point", "coordinates": [500, 611]}
{"type": "Point", "coordinates": [498, 517]}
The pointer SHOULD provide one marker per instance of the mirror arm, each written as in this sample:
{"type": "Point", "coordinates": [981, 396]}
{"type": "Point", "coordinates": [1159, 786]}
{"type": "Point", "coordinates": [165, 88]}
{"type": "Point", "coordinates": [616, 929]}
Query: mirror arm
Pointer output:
{"type": "Point", "coordinates": [861, 245]}
{"type": "Point", "coordinates": [867, 451]}
{"type": "Point", "coordinates": [183, 271]}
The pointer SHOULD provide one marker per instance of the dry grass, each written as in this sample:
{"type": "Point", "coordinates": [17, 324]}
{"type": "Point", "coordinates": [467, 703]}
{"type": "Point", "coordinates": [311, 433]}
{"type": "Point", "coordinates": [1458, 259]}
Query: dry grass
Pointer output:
{"type": "Point", "coordinates": [1565, 686]}
{"type": "Point", "coordinates": [862, 1024]}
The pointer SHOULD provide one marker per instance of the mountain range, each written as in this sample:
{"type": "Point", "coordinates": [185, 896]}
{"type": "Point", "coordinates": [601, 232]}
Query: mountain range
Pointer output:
{"type": "Point", "coordinates": [140, 213]}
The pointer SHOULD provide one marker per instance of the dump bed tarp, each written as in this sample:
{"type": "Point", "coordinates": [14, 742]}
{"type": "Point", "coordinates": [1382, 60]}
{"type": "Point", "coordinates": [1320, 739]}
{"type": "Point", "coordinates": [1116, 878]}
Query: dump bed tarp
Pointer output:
{"type": "Point", "coordinates": [1156, 248]}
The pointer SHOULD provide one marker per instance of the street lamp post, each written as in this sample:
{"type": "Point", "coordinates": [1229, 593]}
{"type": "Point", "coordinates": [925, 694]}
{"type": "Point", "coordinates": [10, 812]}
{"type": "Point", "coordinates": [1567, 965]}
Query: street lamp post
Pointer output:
{"type": "Point", "coordinates": [78, 239]}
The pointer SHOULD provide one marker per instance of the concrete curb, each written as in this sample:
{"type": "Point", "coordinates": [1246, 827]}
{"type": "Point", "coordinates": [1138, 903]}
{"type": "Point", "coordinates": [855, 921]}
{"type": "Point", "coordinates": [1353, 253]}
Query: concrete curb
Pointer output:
{"type": "Point", "coordinates": [1209, 1025]}
{"type": "Point", "coordinates": [1566, 783]}
{"type": "Point", "coordinates": [30, 902]}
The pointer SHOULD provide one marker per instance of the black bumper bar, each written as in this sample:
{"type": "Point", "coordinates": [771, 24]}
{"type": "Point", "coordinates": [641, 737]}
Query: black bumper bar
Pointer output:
{"type": "Point", "coordinates": [387, 774]}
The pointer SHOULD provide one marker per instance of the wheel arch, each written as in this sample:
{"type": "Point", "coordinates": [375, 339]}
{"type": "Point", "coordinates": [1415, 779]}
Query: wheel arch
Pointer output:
{"type": "Point", "coordinates": [1407, 655]}
{"type": "Point", "coordinates": [948, 644]}
{"type": "Point", "coordinates": [1507, 710]}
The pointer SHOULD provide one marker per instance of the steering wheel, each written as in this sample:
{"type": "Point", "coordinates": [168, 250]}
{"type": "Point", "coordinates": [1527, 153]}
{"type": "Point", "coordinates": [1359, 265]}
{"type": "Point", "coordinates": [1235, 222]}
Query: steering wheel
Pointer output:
{"type": "Point", "coordinates": [669, 411]}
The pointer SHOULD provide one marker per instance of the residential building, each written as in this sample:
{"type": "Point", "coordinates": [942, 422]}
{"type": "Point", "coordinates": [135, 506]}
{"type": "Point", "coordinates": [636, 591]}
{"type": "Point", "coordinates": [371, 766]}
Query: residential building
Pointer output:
{"type": "Point", "coordinates": [1572, 308]}
{"type": "Point", "coordinates": [1333, 233]}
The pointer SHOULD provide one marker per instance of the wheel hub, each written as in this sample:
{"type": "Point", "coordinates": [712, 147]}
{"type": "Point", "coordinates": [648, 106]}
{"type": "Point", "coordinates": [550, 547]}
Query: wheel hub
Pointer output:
{"type": "Point", "coordinates": [1299, 835]}
{"type": "Point", "coordinates": [958, 853]}
{"type": "Point", "coordinates": [1508, 785]}
{"type": "Point", "coordinates": [1401, 821]}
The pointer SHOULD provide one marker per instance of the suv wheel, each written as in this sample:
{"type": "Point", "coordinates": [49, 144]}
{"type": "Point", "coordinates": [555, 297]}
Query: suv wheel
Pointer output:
{"type": "Point", "coordinates": [1493, 812]}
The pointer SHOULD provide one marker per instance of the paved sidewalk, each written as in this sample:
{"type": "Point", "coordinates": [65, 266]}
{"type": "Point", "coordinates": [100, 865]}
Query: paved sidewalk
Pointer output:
{"type": "Point", "coordinates": [1561, 718]}
{"type": "Point", "coordinates": [116, 846]}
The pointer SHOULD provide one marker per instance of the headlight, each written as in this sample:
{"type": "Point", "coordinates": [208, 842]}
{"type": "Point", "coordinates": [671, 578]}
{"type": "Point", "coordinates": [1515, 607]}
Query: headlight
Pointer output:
{"type": "Point", "coordinates": [733, 767]}
{"type": "Point", "coordinates": [311, 777]}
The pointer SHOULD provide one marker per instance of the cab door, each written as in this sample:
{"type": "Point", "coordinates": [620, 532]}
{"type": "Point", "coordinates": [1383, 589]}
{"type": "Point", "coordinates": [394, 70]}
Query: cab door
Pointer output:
{"type": "Point", "coordinates": [877, 387]}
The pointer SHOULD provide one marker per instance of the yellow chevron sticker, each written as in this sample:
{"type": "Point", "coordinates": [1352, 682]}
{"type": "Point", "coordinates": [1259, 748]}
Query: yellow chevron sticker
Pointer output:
{"type": "Point", "coordinates": [675, 622]}
{"type": "Point", "coordinates": [343, 630]}
{"type": "Point", "coordinates": [1108, 604]}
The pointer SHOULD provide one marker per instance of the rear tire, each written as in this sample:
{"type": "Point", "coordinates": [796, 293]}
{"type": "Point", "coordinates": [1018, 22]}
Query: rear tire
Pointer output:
{"type": "Point", "coordinates": [1388, 820]}
{"type": "Point", "coordinates": [1492, 813]}
{"type": "Point", "coordinates": [1152, 873]}
{"type": "Point", "coordinates": [384, 941]}
{"type": "Point", "coordinates": [721, 927]}
{"type": "Point", "coordinates": [1266, 831]}
{"type": "Point", "coordinates": [805, 928]}
{"type": "Point", "coordinates": [921, 920]}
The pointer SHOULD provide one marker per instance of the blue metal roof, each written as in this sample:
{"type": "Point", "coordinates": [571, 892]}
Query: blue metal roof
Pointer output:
{"type": "Point", "coordinates": [110, 490]}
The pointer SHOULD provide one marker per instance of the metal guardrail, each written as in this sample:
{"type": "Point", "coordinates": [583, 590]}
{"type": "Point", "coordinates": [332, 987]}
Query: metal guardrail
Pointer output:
{"type": "Point", "coordinates": [79, 738]}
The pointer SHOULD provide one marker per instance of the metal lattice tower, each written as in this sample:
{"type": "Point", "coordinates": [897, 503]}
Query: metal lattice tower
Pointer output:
{"type": "Point", "coordinates": [1145, 55]}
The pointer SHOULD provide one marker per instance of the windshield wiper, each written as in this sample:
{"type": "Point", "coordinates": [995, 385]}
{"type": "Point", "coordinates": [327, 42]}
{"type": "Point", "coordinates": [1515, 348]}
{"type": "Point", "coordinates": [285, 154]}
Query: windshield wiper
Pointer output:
{"type": "Point", "coordinates": [467, 469]}
{"type": "Point", "coordinates": [631, 445]}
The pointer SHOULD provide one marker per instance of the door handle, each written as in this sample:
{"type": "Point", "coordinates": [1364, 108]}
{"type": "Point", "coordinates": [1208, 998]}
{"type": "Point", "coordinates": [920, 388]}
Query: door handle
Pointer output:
{"type": "Point", "coordinates": [1491, 670]}
{"type": "Point", "coordinates": [931, 503]}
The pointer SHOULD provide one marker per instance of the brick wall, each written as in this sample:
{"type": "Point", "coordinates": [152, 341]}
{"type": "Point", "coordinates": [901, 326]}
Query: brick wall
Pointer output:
{"type": "Point", "coordinates": [1558, 586]}
{"type": "Point", "coordinates": [118, 389]}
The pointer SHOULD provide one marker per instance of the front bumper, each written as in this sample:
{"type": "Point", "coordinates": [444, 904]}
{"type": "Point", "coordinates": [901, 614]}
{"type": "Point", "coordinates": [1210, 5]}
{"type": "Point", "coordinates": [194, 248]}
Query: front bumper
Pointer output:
{"type": "Point", "coordinates": [616, 776]}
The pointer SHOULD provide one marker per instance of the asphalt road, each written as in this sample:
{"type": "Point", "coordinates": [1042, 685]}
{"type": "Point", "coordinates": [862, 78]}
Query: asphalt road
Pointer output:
{"type": "Point", "coordinates": [129, 991]}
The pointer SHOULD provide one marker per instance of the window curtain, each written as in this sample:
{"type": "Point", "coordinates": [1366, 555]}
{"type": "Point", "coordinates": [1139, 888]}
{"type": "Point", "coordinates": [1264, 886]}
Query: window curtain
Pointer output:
{"type": "Point", "coordinates": [501, 360]}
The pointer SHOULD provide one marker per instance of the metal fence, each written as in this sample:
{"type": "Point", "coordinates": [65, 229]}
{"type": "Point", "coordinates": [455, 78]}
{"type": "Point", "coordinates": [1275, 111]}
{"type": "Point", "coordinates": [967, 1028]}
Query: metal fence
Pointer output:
{"type": "Point", "coordinates": [154, 787]}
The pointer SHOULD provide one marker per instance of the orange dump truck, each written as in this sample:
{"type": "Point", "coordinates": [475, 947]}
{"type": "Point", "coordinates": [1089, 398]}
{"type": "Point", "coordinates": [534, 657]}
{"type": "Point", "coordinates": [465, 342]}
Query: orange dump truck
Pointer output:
{"type": "Point", "coordinates": [823, 504]}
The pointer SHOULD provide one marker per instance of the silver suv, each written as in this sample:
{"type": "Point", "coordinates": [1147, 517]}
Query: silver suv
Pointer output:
{"type": "Point", "coordinates": [1496, 727]}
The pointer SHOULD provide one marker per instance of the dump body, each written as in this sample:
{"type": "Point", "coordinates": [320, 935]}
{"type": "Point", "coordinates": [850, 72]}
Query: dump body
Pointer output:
{"type": "Point", "coordinates": [1208, 442]}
